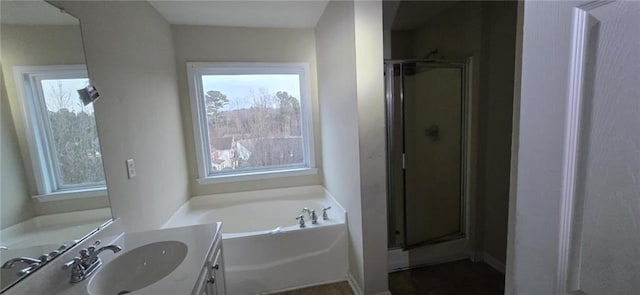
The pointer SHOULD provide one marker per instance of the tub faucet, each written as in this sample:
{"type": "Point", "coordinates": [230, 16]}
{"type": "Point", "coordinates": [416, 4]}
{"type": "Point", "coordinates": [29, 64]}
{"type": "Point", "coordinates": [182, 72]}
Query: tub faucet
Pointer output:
{"type": "Point", "coordinates": [312, 215]}
{"type": "Point", "coordinates": [300, 219]}
{"type": "Point", "coordinates": [324, 213]}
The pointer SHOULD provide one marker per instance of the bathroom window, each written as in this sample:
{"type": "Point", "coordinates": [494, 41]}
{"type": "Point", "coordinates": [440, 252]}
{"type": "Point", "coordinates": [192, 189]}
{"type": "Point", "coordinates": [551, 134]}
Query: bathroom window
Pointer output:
{"type": "Point", "coordinates": [251, 120]}
{"type": "Point", "coordinates": [61, 131]}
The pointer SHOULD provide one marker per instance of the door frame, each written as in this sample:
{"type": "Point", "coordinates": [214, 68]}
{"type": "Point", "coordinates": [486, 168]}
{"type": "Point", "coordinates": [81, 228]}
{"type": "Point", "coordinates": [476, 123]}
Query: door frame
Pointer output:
{"type": "Point", "coordinates": [539, 240]}
{"type": "Point", "coordinates": [464, 246]}
{"type": "Point", "coordinates": [515, 142]}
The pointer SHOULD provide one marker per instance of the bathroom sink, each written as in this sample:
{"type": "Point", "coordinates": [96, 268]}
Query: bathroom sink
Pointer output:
{"type": "Point", "coordinates": [138, 268]}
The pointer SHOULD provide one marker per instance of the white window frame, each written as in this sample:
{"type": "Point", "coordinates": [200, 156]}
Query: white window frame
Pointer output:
{"type": "Point", "coordinates": [195, 70]}
{"type": "Point", "coordinates": [41, 149]}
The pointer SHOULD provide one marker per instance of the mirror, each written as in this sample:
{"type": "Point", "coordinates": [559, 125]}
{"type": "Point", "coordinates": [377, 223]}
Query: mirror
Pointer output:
{"type": "Point", "coordinates": [52, 190]}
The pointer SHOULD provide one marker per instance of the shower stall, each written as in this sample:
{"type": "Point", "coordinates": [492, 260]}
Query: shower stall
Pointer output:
{"type": "Point", "coordinates": [427, 114]}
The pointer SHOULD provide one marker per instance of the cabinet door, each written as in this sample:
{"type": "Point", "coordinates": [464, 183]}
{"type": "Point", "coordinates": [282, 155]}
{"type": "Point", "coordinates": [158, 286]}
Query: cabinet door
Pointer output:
{"type": "Point", "coordinates": [202, 285]}
{"type": "Point", "coordinates": [217, 273]}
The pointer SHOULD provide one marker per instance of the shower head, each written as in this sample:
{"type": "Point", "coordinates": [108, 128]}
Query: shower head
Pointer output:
{"type": "Point", "coordinates": [432, 54]}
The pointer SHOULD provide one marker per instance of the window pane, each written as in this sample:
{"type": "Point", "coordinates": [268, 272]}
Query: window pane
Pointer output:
{"type": "Point", "coordinates": [73, 131]}
{"type": "Point", "coordinates": [254, 121]}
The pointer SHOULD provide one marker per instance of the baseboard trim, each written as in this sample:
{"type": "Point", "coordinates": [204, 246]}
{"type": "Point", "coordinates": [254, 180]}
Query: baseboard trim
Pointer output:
{"type": "Point", "coordinates": [305, 286]}
{"type": "Point", "coordinates": [399, 260]}
{"type": "Point", "coordinates": [493, 262]}
{"type": "Point", "coordinates": [354, 284]}
{"type": "Point", "coordinates": [476, 256]}
{"type": "Point", "coordinates": [356, 288]}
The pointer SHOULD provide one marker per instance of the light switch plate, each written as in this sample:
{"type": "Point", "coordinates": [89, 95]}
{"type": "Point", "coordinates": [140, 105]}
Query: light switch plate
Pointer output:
{"type": "Point", "coordinates": [131, 169]}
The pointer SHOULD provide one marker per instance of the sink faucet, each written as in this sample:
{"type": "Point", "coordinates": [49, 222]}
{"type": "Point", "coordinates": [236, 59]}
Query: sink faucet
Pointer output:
{"type": "Point", "coordinates": [84, 266]}
{"type": "Point", "coordinates": [25, 260]}
{"type": "Point", "coordinates": [31, 263]}
{"type": "Point", "coordinates": [90, 257]}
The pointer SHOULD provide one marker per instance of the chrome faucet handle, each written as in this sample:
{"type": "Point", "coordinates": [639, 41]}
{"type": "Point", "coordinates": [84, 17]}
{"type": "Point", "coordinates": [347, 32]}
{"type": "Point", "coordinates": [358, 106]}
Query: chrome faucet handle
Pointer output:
{"type": "Point", "coordinates": [70, 263]}
{"type": "Point", "coordinates": [92, 261]}
{"type": "Point", "coordinates": [44, 258]}
{"type": "Point", "coordinates": [57, 252]}
{"type": "Point", "coordinates": [77, 270]}
{"type": "Point", "coordinates": [92, 248]}
{"type": "Point", "coordinates": [88, 262]}
{"type": "Point", "coordinates": [4, 248]}
{"type": "Point", "coordinates": [300, 218]}
{"type": "Point", "coordinates": [25, 271]}
{"type": "Point", "coordinates": [324, 212]}
{"type": "Point", "coordinates": [85, 253]}
{"type": "Point", "coordinates": [312, 214]}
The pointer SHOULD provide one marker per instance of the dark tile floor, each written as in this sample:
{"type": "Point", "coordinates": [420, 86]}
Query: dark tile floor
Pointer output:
{"type": "Point", "coordinates": [341, 288]}
{"type": "Point", "coordinates": [455, 278]}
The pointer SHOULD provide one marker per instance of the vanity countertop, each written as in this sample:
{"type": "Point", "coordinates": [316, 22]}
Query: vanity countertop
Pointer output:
{"type": "Point", "coordinates": [198, 238]}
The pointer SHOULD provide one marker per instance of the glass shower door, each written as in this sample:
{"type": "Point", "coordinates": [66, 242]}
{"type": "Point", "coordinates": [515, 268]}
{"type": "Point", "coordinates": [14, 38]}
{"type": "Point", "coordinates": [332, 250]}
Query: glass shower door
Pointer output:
{"type": "Point", "coordinates": [428, 103]}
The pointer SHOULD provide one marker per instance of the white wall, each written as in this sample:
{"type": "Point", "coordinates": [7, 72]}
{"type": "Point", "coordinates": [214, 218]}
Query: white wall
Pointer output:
{"type": "Point", "coordinates": [130, 57]}
{"type": "Point", "coordinates": [350, 86]}
{"type": "Point", "coordinates": [337, 91]}
{"type": "Point", "coordinates": [227, 44]}
{"type": "Point", "coordinates": [371, 117]}
{"type": "Point", "coordinates": [15, 201]}
{"type": "Point", "coordinates": [500, 33]}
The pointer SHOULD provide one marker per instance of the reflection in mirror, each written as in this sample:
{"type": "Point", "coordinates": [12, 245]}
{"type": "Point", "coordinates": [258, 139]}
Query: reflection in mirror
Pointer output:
{"type": "Point", "coordinates": [52, 190]}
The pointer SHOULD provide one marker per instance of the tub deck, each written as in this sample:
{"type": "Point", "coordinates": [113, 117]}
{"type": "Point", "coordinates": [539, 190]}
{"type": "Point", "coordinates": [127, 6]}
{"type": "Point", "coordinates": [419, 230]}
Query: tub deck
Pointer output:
{"type": "Point", "coordinates": [265, 250]}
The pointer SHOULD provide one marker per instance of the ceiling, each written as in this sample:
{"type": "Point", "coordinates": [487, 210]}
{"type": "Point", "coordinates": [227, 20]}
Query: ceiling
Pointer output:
{"type": "Point", "coordinates": [33, 13]}
{"type": "Point", "coordinates": [413, 14]}
{"type": "Point", "coordinates": [241, 13]}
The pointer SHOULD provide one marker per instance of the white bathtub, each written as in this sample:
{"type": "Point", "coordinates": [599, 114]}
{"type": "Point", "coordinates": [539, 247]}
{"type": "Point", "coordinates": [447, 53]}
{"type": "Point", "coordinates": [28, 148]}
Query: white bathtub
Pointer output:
{"type": "Point", "coordinates": [265, 250]}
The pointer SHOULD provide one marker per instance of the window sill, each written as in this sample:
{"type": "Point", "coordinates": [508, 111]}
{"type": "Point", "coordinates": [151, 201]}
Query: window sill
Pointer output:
{"type": "Point", "coordinates": [70, 195]}
{"type": "Point", "coordinates": [257, 175]}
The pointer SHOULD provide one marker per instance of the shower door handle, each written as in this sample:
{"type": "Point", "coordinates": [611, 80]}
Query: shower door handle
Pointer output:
{"type": "Point", "coordinates": [433, 132]}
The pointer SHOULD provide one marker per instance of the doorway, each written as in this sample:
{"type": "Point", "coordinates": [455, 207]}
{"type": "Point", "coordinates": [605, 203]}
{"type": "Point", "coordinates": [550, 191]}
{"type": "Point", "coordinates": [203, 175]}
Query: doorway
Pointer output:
{"type": "Point", "coordinates": [427, 144]}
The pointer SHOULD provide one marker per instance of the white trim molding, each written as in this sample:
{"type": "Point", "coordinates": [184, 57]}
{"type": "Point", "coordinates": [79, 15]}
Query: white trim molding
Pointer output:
{"type": "Point", "coordinates": [195, 70]}
{"type": "Point", "coordinates": [493, 262]}
{"type": "Point", "coordinates": [258, 175]}
{"type": "Point", "coordinates": [71, 195]}
{"type": "Point", "coordinates": [582, 27]}
{"type": "Point", "coordinates": [42, 153]}
{"type": "Point", "coordinates": [354, 284]}
{"type": "Point", "coordinates": [454, 250]}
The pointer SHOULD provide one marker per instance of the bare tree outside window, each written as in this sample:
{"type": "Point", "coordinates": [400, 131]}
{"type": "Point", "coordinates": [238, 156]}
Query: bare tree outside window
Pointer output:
{"type": "Point", "coordinates": [254, 121]}
{"type": "Point", "coordinates": [72, 127]}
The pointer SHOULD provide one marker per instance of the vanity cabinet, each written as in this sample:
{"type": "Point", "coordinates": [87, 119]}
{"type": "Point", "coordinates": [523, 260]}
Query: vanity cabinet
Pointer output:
{"type": "Point", "coordinates": [211, 280]}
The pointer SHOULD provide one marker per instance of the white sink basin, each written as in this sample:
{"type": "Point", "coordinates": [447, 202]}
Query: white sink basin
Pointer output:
{"type": "Point", "coordinates": [138, 268]}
